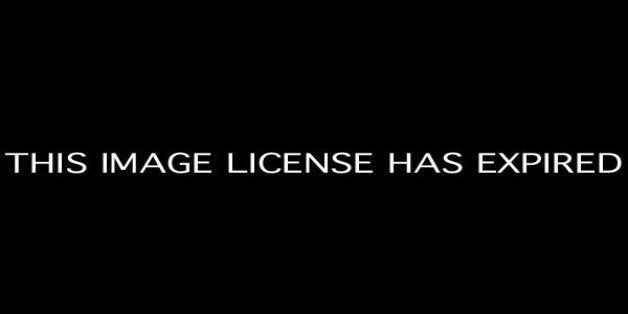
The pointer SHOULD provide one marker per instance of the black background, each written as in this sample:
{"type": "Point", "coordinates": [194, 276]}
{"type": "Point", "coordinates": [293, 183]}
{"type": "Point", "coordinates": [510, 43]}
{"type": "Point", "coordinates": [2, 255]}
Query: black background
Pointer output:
{"type": "Point", "coordinates": [399, 80]}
